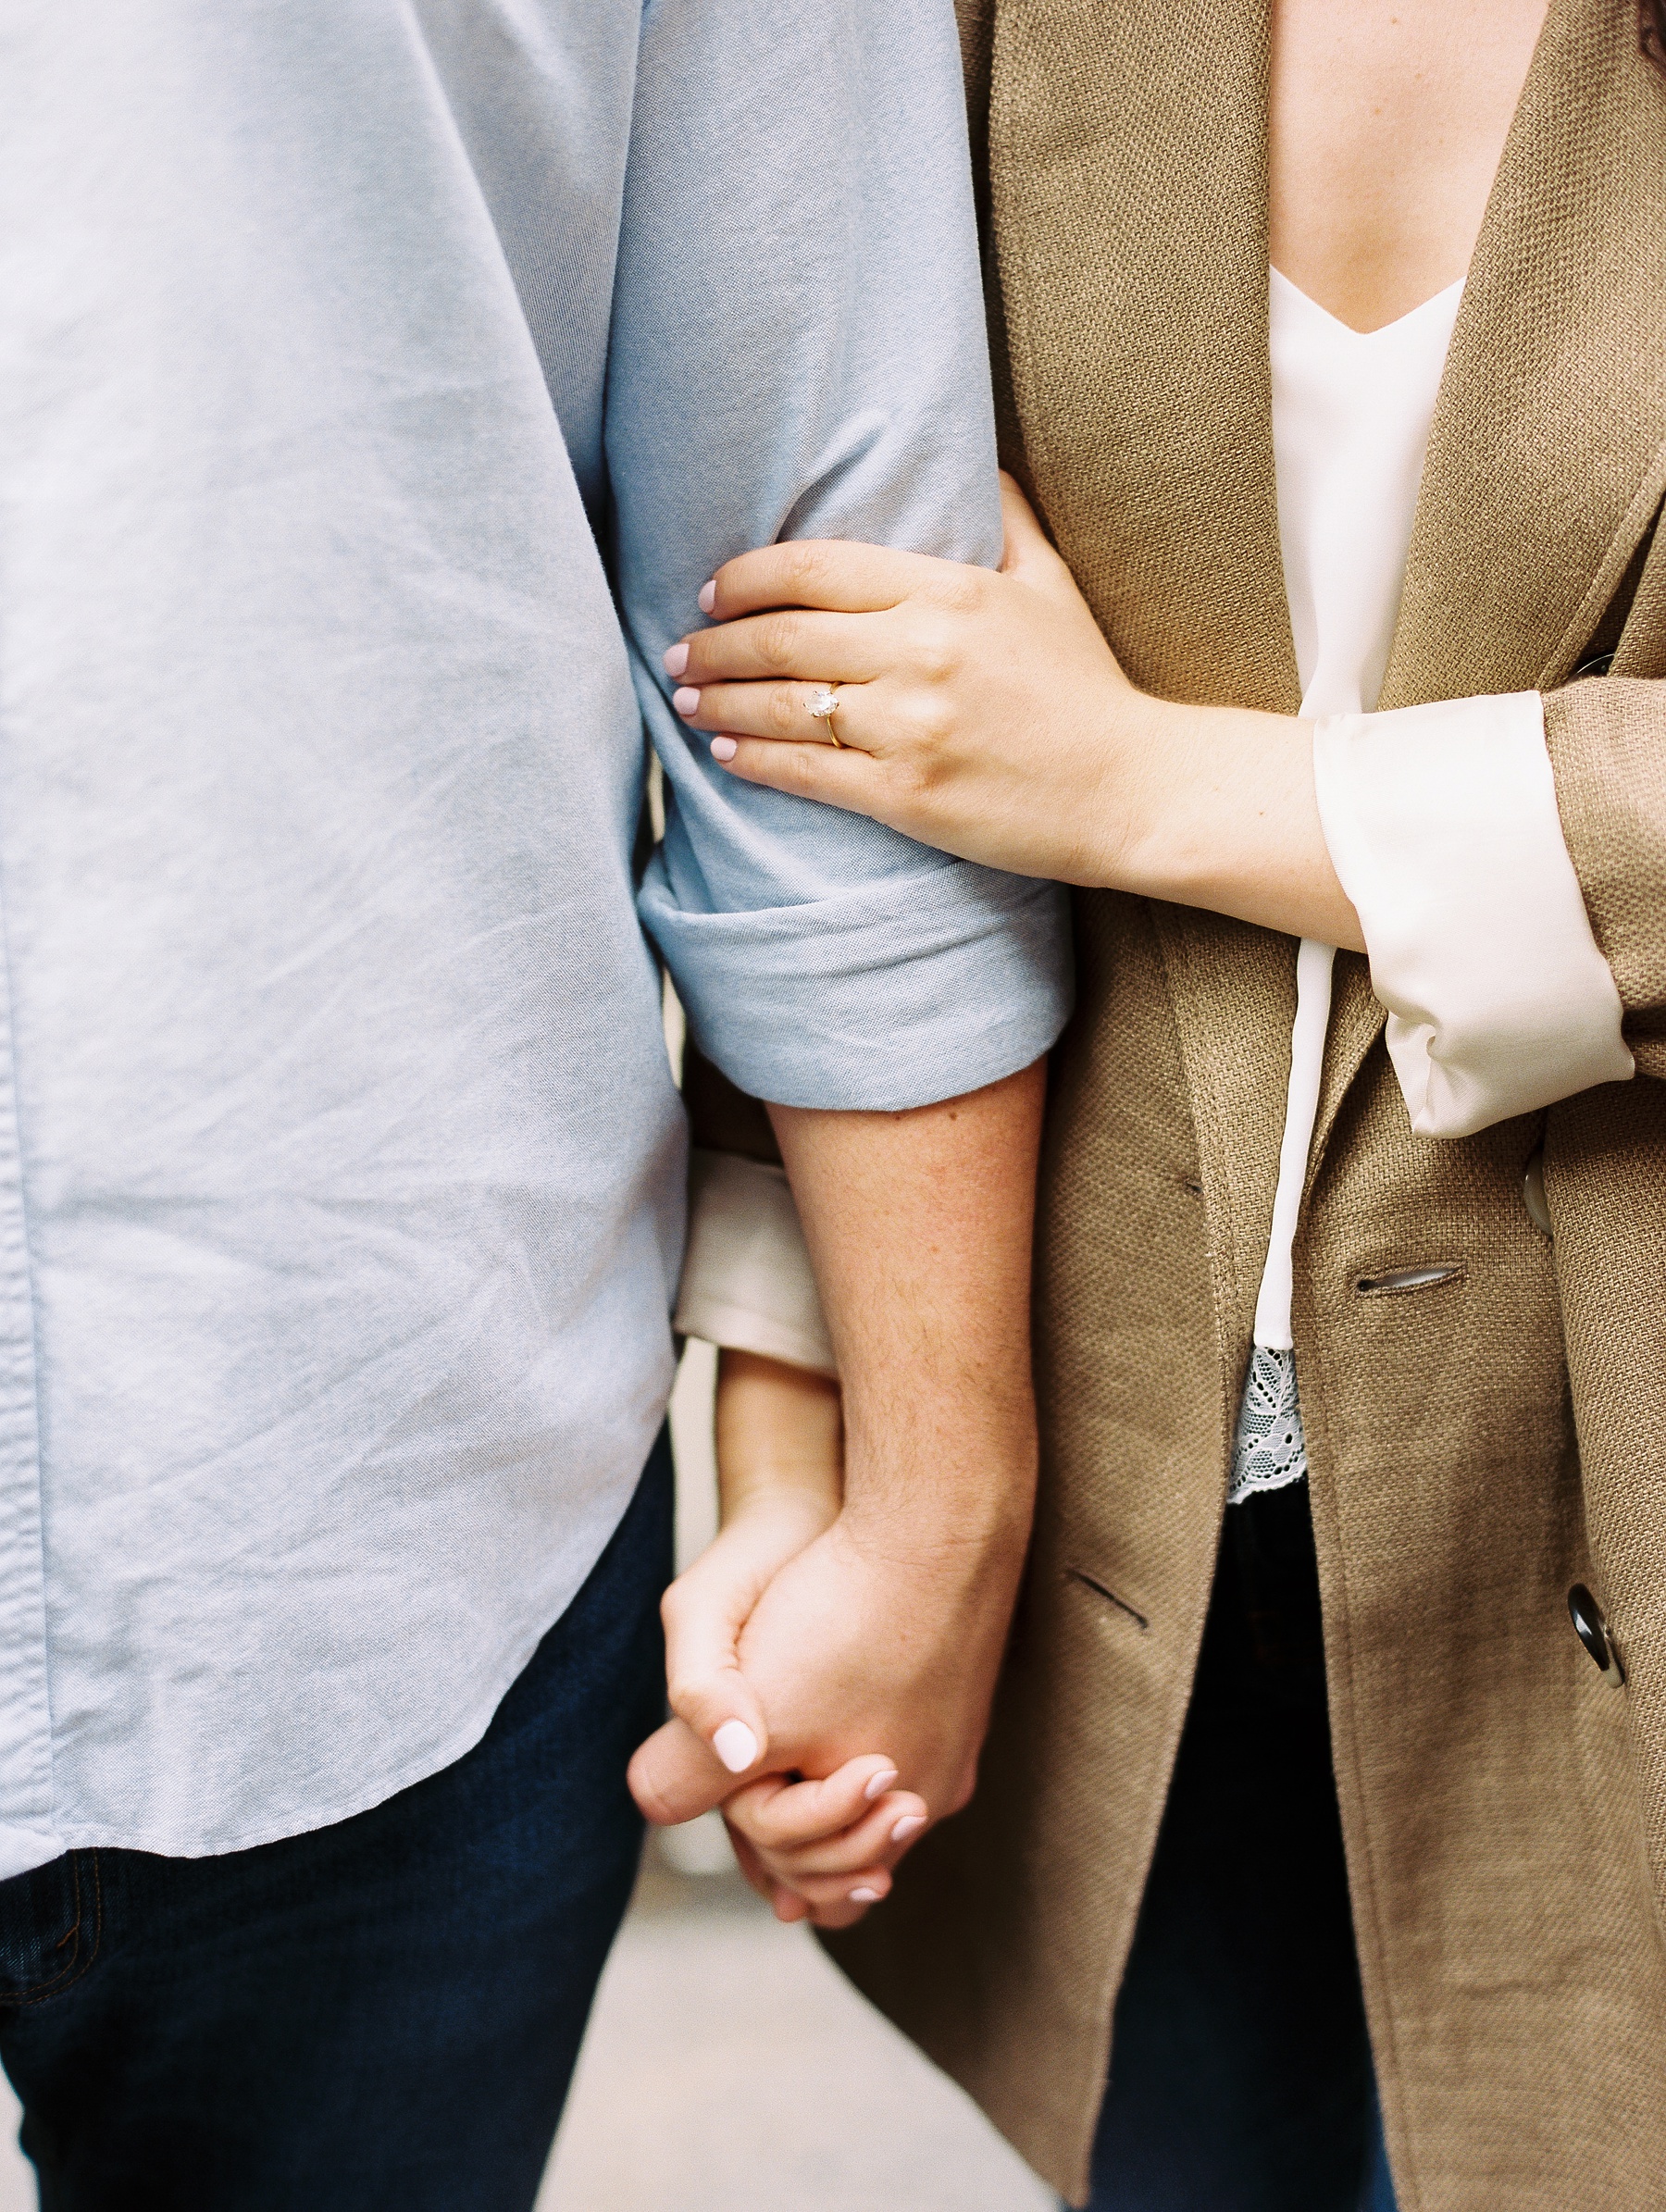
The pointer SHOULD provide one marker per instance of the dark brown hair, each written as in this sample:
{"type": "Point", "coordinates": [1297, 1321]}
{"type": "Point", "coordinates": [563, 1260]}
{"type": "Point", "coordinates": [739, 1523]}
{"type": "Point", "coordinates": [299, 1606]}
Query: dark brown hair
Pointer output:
{"type": "Point", "coordinates": [1652, 31]}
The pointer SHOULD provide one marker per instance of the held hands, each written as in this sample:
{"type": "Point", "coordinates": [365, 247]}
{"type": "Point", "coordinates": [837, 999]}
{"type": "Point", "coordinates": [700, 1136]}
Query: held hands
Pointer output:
{"type": "Point", "coordinates": [861, 1668]}
{"type": "Point", "coordinates": [849, 1636]}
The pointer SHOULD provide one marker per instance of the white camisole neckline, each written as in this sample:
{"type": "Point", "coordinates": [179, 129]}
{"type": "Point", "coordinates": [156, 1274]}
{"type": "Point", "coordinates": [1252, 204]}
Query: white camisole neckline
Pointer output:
{"type": "Point", "coordinates": [1351, 411]}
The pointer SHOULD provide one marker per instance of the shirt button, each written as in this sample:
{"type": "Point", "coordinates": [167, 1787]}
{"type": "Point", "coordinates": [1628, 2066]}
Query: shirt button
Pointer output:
{"type": "Point", "coordinates": [1592, 1632]}
{"type": "Point", "coordinates": [1533, 1193]}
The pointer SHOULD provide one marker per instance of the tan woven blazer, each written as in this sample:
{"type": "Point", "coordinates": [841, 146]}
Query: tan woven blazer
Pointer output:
{"type": "Point", "coordinates": [1479, 1444]}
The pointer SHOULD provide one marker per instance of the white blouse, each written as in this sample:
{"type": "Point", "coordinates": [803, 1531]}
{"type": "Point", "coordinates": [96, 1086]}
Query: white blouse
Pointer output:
{"type": "Point", "coordinates": [1352, 412]}
{"type": "Point", "coordinates": [1441, 823]}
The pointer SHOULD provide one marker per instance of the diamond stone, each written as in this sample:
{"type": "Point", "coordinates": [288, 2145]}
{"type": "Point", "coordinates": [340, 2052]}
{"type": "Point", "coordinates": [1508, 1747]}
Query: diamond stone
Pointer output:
{"type": "Point", "coordinates": [823, 705]}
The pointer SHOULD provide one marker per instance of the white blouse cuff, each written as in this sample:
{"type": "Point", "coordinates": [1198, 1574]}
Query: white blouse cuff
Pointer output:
{"type": "Point", "coordinates": [747, 1282]}
{"type": "Point", "coordinates": [1442, 825]}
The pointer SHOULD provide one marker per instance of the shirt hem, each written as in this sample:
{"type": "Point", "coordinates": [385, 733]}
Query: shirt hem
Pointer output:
{"type": "Point", "coordinates": [456, 1748]}
{"type": "Point", "coordinates": [453, 1746]}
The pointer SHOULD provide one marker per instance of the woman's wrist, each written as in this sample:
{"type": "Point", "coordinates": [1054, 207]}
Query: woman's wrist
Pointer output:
{"type": "Point", "coordinates": [1223, 814]}
{"type": "Point", "coordinates": [779, 1439]}
{"type": "Point", "coordinates": [1203, 783]}
{"type": "Point", "coordinates": [782, 1518]}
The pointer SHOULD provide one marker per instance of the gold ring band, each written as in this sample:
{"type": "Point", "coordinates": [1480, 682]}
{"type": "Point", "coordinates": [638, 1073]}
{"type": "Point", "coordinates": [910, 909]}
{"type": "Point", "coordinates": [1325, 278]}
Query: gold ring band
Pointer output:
{"type": "Point", "coordinates": [824, 706]}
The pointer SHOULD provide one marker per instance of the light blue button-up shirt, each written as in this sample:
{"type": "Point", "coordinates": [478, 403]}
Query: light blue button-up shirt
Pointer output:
{"type": "Point", "coordinates": [340, 1171]}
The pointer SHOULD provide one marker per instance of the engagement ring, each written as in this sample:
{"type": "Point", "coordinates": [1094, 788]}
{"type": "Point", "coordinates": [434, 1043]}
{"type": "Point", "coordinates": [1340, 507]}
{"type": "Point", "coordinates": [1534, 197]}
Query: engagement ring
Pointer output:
{"type": "Point", "coordinates": [824, 705]}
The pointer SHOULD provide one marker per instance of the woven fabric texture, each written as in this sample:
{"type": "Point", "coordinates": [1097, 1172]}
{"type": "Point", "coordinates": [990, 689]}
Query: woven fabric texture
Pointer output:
{"type": "Point", "coordinates": [1475, 1445]}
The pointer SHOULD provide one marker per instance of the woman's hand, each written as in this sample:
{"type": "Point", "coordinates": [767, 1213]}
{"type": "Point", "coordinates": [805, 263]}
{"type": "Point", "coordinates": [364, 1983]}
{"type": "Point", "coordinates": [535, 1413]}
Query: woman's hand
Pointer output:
{"type": "Point", "coordinates": [984, 713]}
{"type": "Point", "coordinates": [822, 1848]}
{"type": "Point", "coordinates": [823, 1851]}
{"type": "Point", "coordinates": [781, 1473]}
{"type": "Point", "coordinates": [869, 1659]}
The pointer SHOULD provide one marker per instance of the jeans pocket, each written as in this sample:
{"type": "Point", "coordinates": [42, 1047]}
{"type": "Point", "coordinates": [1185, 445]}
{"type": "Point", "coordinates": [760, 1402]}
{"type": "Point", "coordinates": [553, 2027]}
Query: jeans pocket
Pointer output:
{"type": "Point", "coordinates": [49, 1927]}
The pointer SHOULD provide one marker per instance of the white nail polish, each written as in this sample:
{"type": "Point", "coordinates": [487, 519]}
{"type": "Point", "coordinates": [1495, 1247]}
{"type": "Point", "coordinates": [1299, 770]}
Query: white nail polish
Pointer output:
{"type": "Point", "coordinates": [864, 1896]}
{"type": "Point", "coordinates": [885, 1780]}
{"type": "Point", "coordinates": [736, 1745]}
{"type": "Point", "coordinates": [909, 1824]}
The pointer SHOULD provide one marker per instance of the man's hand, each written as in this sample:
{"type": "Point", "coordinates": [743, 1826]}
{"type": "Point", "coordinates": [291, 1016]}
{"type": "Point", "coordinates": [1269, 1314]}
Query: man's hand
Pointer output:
{"type": "Point", "coordinates": [883, 1636]}
{"type": "Point", "coordinates": [863, 1645]}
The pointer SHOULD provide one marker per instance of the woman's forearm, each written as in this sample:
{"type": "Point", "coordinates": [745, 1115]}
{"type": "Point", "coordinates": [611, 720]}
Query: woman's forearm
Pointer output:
{"type": "Point", "coordinates": [780, 1441]}
{"type": "Point", "coordinates": [1222, 815]}
{"type": "Point", "coordinates": [986, 714]}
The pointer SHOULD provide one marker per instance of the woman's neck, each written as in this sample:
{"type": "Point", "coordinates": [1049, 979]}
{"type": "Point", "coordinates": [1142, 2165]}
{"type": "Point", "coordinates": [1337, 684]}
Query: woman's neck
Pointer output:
{"type": "Point", "coordinates": [1387, 118]}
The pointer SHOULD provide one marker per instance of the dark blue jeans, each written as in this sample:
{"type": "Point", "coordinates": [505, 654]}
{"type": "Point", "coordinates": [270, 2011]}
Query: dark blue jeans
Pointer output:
{"type": "Point", "coordinates": [1241, 2077]}
{"type": "Point", "coordinates": [380, 2017]}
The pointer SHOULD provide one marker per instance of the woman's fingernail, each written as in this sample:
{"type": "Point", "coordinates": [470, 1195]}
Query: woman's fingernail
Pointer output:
{"type": "Point", "coordinates": [883, 1781]}
{"type": "Point", "coordinates": [708, 597]}
{"type": "Point", "coordinates": [864, 1896]}
{"type": "Point", "coordinates": [911, 1824]}
{"type": "Point", "coordinates": [686, 700]}
{"type": "Point", "coordinates": [724, 749]}
{"type": "Point", "coordinates": [736, 1745]}
{"type": "Point", "coordinates": [677, 660]}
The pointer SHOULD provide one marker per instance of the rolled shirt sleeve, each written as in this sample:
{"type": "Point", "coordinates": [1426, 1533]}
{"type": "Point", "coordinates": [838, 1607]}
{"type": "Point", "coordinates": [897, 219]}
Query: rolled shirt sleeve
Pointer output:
{"type": "Point", "coordinates": [1608, 747]}
{"type": "Point", "coordinates": [1443, 826]}
{"type": "Point", "coordinates": [799, 352]}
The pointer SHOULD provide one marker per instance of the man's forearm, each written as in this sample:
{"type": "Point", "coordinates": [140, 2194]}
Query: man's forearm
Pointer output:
{"type": "Point", "coordinates": [919, 1225]}
{"type": "Point", "coordinates": [883, 1636]}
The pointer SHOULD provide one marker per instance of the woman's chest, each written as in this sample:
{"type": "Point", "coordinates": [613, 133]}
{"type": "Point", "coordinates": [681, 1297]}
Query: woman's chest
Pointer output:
{"type": "Point", "coordinates": [1129, 209]}
{"type": "Point", "coordinates": [1385, 123]}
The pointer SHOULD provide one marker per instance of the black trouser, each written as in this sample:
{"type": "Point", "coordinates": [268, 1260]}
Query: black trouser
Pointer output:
{"type": "Point", "coordinates": [1241, 2077]}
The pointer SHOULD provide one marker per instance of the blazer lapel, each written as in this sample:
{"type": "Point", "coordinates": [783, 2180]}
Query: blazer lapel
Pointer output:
{"type": "Point", "coordinates": [1128, 202]}
{"type": "Point", "coordinates": [1547, 458]}
{"type": "Point", "coordinates": [1128, 209]}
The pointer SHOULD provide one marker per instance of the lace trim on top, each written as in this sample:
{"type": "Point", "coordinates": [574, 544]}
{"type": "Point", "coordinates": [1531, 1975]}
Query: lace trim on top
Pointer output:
{"type": "Point", "coordinates": [1269, 1451]}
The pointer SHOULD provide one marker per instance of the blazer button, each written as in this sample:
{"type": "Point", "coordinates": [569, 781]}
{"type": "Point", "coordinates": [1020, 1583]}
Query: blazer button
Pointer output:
{"type": "Point", "coordinates": [1592, 1632]}
{"type": "Point", "coordinates": [1533, 1193]}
